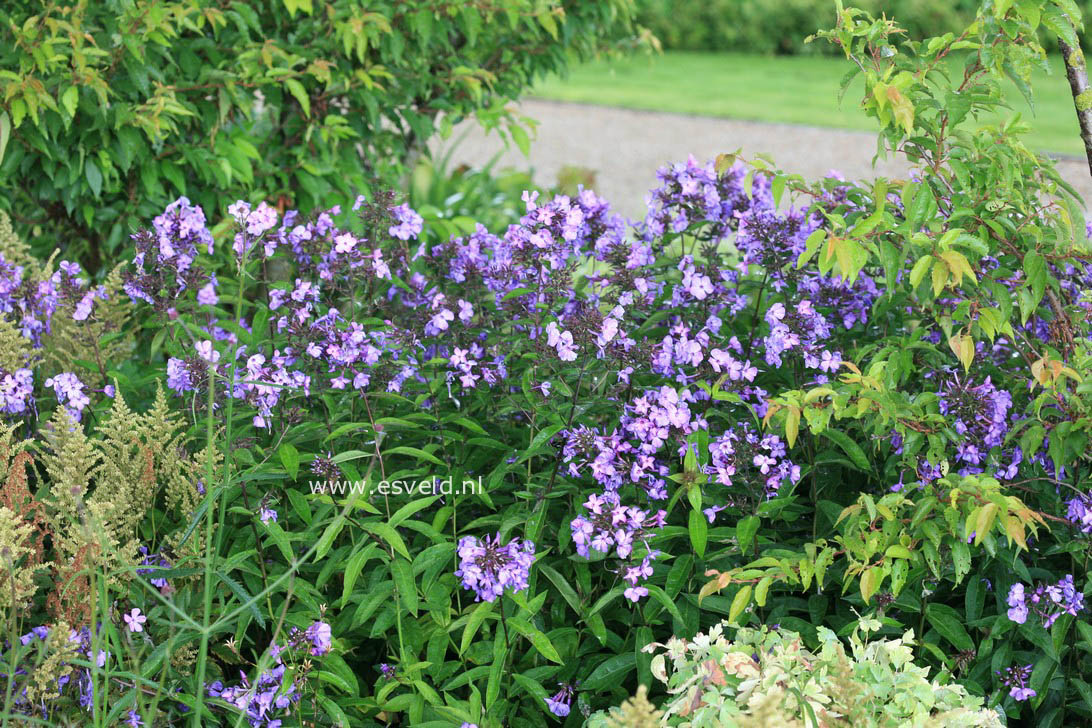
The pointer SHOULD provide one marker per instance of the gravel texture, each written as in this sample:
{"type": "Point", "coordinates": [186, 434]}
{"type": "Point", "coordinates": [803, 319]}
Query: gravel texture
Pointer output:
{"type": "Point", "coordinates": [624, 148]}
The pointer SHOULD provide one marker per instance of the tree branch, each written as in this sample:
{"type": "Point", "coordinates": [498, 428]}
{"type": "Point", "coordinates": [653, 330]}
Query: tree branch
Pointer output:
{"type": "Point", "coordinates": [1077, 72]}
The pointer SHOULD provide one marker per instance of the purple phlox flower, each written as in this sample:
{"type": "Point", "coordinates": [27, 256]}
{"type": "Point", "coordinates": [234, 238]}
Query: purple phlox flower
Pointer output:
{"type": "Point", "coordinates": [321, 638]}
{"type": "Point", "coordinates": [409, 223]}
{"type": "Point", "coordinates": [1047, 601]}
{"type": "Point", "coordinates": [70, 393]}
{"type": "Point", "coordinates": [561, 702]}
{"type": "Point", "coordinates": [1016, 678]}
{"type": "Point", "coordinates": [135, 620]}
{"type": "Point", "coordinates": [488, 568]}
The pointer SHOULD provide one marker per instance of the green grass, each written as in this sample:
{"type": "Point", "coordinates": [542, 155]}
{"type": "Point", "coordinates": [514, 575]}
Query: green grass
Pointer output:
{"type": "Point", "coordinates": [787, 89]}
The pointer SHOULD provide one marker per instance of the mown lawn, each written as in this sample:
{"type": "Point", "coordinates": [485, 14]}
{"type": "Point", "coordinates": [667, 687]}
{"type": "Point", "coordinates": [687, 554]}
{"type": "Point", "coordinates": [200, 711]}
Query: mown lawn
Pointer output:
{"type": "Point", "coordinates": [788, 89]}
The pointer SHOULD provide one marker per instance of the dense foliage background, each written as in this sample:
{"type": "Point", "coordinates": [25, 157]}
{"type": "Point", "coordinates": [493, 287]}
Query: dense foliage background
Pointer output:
{"type": "Point", "coordinates": [781, 27]}
{"type": "Point", "coordinates": [777, 423]}
{"type": "Point", "coordinates": [113, 109]}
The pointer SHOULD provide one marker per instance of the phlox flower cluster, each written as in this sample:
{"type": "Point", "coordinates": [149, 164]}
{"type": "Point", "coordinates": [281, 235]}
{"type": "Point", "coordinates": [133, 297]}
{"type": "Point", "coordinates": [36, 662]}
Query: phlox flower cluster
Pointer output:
{"type": "Point", "coordinates": [1079, 512]}
{"type": "Point", "coordinates": [773, 240]}
{"type": "Point", "coordinates": [1048, 601]}
{"type": "Point", "coordinates": [979, 414]}
{"type": "Point", "coordinates": [1016, 678]}
{"type": "Point", "coordinates": [849, 303]}
{"type": "Point", "coordinates": [693, 193]}
{"type": "Point", "coordinates": [802, 329]}
{"type": "Point", "coordinates": [164, 264]}
{"type": "Point", "coordinates": [561, 341]}
{"type": "Point", "coordinates": [488, 568]}
{"type": "Point", "coordinates": [16, 391]}
{"type": "Point", "coordinates": [31, 304]}
{"type": "Point", "coordinates": [326, 349]}
{"type": "Point", "coordinates": [269, 699]}
{"type": "Point", "coordinates": [70, 393]}
{"type": "Point", "coordinates": [408, 224]}
{"type": "Point", "coordinates": [71, 288]}
{"type": "Point", "coordinates": [742, 458]}
{"type": "Point", "coordinates": [608, 525]}
{"type": "Point", "coordinates": [629, 454]}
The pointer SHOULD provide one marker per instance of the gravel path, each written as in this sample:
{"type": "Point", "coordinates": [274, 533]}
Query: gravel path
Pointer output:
{"type": "Point", "coordinates": [625, 147]}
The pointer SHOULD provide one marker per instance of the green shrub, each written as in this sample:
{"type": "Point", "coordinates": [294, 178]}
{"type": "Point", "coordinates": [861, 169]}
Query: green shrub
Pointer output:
{"type": "Point", "coordinates": [111, 109]}
{"type": "Point", "coordinates": [766, 678]}
{"type": "Point", "coordinates": [781, 27]}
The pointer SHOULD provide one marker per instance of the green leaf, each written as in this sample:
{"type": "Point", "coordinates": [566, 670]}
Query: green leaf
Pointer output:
{"type": "Point", "coordinates": [414, 506]}
{"type": "Point", "coordinates": [949, 623]}
{"type": "Point", "coordinates": [326, 541]}
{"type": "Point", "coordinates": [70, 99]}
{"type": "Point", "coordinates": [5, 132]}
{"type": "Point", "coordinates": [699, 532]}
{"type": "Point", "coordinates": [563, 586]}
{"type": "Point", "coordinates": [94, 176]}
{"type": "Point", "coordinates": [247, 601]}
{"type": "Point", "coordinates": [353, 568]}
{"type": "Point", "coordinates": [290, 459]}
{"type": "Point", "coordinates": [281, 539]}
{"type": "Point", "coordinates": [761, 590]}
{"type": "Point", "coordinates": [300, 94]}
{"type": "Point", "coordinates": [388, 534]}
{"type": "Point", "coordinates": [792, 425]}
{"type": "Point", "coordinates": [533, 687]}
{"type": "Point", "coordinates": [476, 618]}
{"type": "Point", "coordinates": [496, 672]}
{"type": "Point", "coordinates": [540, 441]}
{"type": "Point", "coordinates": [415, 452]}
{"type": "Point", "coordinates": [921, 267]}
{"type": "Point", "coordinates": [870, 582]}
{"type": "Point", "coordinates": [739, 603]}
{"type": "Point", "coordinates": [404, 582]}
{"type": "Point", "coordinates": [961, 558]}
{"type": "Point", "coordinates": [850, 448]}
{"type": "Point", "coordinates": [746, 530]}
{"type": "Point", "coordinates": [665, 601]}
{"type": "Point", "coordinates": [611, 672]}
{"type": "Point", "coordinates": [538, 639]}
{"type": "Point", "coordinates": [1036, 271]}
{"type": "Point", "coordinates": [520, 137]}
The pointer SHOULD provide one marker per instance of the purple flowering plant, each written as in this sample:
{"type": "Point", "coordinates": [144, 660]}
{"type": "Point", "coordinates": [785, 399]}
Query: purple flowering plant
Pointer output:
{"type": "Point", "coordinates": [769, 401]}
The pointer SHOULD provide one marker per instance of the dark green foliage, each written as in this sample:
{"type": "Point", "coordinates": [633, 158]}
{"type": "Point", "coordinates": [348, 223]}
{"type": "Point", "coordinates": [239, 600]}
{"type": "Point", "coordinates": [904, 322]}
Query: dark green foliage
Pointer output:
{"type": "Point", "coordinates": [112, 108]}
{"type": "Point", "coordinates": [781, 27]}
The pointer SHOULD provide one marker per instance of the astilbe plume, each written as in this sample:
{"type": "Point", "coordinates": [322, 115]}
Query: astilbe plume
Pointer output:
{"type": "Point", "coordinates": [12, 247]}
{"type": "Point", "coordinates": [102, 488]}
{"type": "Point", "coordinates": [17, 564]}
